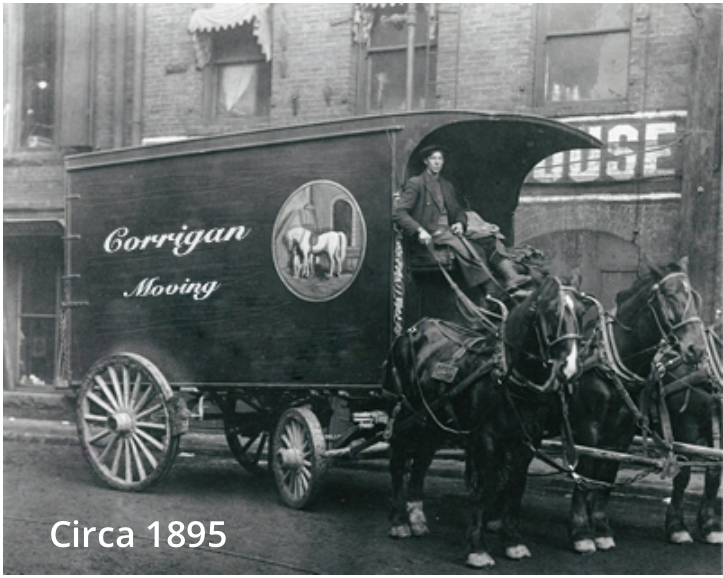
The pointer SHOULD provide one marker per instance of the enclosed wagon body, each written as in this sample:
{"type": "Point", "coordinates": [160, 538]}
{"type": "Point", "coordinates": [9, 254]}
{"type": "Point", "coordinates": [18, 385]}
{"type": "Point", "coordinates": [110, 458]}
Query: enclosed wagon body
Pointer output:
{"type": "Point", "coordinates": [265, 261]}
{"type": "Point", "coordinates": [179, 254]}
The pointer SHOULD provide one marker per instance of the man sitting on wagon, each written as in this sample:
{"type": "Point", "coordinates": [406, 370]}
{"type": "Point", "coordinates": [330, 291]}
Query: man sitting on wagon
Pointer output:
{"type": "Point", "coordinates": [429, 214]}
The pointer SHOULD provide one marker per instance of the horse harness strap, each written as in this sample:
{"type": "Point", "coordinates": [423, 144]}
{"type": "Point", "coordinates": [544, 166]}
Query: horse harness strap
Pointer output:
{"type": "Point", "coordinates": [607, 360]}
{"type": "Point", "coordinates": [446, 374]}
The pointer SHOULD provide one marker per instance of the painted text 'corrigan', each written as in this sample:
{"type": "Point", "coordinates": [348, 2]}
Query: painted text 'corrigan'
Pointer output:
{"type": "Point", "coordinates": [182, 243]}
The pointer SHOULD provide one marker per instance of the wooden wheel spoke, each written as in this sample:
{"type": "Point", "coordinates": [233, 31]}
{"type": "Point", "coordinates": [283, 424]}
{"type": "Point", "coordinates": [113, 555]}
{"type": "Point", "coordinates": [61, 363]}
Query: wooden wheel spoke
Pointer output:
{"type": "Point", "coordinates": [146, 452]}
{"type": "Point", "coordinates": [137, 458]}
{"type": "Point", "coordinates": [304, 480]}
{"type": "Point", "coordinates": [260, 448]}
{"type": "Point", "coordinates": [100, 435]}
{"type": "Point", "coordinates": [126, 388]}
{"type": "Point", "coordinates": [148, 411]}
{"type": "Point", "coordinates": [106, 391]}
{"type": "Point", "coordinates": [95, 418]}
{"type": "Point", "coordinates": [150, 439]}
{"type": "Point", "coordinates": [116, 386]}
{"type": "Point", "coordinates": [100, 403]}
{"type": "Point", "coordinates": [108, 448]}
{"type": "Point", "coordinates": [297, 434]}
{"type": "Point", "coordinates": [151, 425]}
{"type": "Point", "coordinates": [129, 467]}
{"type": "Point", "coordinates": [135, 391]}
{"type": "Point", "coordinates": [117, 458]}
{"type": "Point", "coordinates": [285, 440]}
{"type": "Point", "coordinates": [248, 445]}
{"type": "Point", "coordinates": [145, 398]}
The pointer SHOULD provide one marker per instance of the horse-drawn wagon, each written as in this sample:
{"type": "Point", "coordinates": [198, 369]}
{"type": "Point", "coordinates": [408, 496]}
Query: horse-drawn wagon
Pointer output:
{"type": "Point", "coordinates": [259, 273]}
{"type": "Point", "coordinates": [186, 279]}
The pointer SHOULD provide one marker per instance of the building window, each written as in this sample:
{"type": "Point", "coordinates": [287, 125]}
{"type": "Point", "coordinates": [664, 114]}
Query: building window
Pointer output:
{"type": "Point", "coordinates": [381, 30]}
{"type": "Point", "coordinates": [37, 110]}
{"type": "Point", "coordinates": [585, 52]}
{"type": "Point", "coordinates": [43, 110]}
{"type": "Point", "coordinates": [233, 45]}
{"type": "Point", "coordinates": [242, 83]}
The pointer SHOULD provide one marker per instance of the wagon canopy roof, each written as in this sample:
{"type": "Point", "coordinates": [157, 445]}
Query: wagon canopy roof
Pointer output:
{"type": "Point", "coordinates": [512, 142]}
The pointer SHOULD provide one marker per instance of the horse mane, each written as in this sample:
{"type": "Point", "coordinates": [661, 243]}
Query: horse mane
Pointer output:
{"type": "Point", "coordinates": [654, 274]}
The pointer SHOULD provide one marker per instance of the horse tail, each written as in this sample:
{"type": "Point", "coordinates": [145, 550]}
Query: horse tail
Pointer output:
{"type": "Point", "coordinates": [342, 247]}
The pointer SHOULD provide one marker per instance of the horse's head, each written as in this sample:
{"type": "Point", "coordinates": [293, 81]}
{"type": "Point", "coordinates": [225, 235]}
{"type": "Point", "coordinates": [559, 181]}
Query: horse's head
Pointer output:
{"type": "Point", "coordinates": [543, 335]}
{"type": "Point", "coordinates": [662, 305]}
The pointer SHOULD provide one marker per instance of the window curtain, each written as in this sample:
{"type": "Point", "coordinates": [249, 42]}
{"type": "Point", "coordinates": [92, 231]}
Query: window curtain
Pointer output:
{"type": "Point", "coordinates": [237, 94]}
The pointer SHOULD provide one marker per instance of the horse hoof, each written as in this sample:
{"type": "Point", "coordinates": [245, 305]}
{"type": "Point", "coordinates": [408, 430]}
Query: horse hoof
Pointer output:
{"type": "Point", "coordinates": [417, 519]}
{"type": "Point", "coordinates": [680, 537]}
{"type": "Point", "coordinates": [586, 546]}
{"type": "Point", "coordinates": [605, 543]}
{"type": "Point", "coordinates": [484, 560]}
{"type": "Point", "coordinates": [517, 552]}
{"type": "Point", "coordinates": [494, 526]}
{"type": "Point", "coordinates": [714, 538]}
{"type": "Point", "coordinates": [419, 530]}
{"type": "Point", "coordinates": [400, 532]}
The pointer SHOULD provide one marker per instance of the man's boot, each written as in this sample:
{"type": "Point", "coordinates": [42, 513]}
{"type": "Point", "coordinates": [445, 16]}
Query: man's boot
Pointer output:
{"type": "Point", "coordinates": [510, 277]}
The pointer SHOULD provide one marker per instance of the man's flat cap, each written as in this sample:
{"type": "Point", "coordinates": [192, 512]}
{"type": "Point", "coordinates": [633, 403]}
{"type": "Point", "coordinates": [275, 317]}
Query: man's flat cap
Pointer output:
{"type": "Point", "coordinates": [433, 148]}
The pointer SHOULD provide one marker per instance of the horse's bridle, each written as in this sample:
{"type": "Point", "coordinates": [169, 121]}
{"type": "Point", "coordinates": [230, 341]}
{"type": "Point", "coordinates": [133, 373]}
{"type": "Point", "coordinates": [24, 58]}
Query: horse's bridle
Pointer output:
{"type": "Point", "coordinates": [661, 315]}
{"type": "Point", "coordinates": [547, 339]}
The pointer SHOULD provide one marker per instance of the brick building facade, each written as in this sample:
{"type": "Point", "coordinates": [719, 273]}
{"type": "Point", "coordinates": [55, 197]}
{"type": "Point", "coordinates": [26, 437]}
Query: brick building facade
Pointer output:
{"type": "Point", "coordinates": [106, 76]}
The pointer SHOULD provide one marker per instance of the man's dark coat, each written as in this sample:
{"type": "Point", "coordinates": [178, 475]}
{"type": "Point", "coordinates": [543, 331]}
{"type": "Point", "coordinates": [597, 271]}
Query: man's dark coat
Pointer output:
{"type": "Point", "coordinates": [416, 206]}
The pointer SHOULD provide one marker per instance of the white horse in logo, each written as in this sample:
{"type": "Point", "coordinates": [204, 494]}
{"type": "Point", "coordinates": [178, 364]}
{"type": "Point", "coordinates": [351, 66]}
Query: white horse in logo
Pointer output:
{"type": "Point", "coordinates": [333, 244]}
{"type": "Point", "coordinates": [304, 246]}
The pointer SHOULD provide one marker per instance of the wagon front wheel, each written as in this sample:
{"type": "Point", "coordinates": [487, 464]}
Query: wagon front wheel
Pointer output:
{"type": "Point", "coordinates": [124, 419]}
{"type": "Point", "coordinates": [299, 457]}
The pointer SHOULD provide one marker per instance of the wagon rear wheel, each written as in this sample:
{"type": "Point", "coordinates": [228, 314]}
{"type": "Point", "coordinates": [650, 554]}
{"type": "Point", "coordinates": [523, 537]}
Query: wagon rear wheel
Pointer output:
{"type": "Point", "coordinates": [250, 448]}
{"type": "Point", "coordinates": [247, 423]}
{"type": "Point", "coordinates": [299, 457]}
{"type": "Point", "coordinates": [124, 422]}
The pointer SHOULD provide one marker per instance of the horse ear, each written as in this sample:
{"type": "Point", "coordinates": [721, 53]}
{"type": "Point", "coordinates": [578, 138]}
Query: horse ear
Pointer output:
{"type": "Point", "coordinates": [549, 288]}
{"type": "Point", "coordinates": [575, 279]}
{"type": "Point", "coordinates": [683, 264]}
{"type": "Point", "coordinates": [647, 268]}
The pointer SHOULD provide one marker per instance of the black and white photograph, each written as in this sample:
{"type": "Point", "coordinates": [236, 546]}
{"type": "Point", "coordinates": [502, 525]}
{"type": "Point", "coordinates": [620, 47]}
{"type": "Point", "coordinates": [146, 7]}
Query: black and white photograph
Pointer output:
{"type": "Point", "coordinates": [362, 288]}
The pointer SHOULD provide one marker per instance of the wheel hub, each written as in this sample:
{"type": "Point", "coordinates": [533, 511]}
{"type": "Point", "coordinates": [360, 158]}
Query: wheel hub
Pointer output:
{"type": "Point", "coordinates": [120, 422]}
{"type": "Point", "coordinates": [291, 458]}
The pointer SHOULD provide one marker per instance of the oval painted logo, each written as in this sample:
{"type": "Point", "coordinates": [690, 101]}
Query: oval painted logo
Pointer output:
{"type": "Point", "coordinates": [319, 241]}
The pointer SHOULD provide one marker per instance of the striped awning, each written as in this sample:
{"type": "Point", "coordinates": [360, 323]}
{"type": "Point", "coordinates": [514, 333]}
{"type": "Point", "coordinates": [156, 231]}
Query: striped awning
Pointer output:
{"type": "Point", "coordinates": [224, 16]}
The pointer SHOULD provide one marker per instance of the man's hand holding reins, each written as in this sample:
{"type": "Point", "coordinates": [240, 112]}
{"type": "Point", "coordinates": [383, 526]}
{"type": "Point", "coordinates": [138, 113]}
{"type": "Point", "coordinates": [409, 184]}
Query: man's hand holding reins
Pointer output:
{"type": "Point", "coordinates": [424, 237]}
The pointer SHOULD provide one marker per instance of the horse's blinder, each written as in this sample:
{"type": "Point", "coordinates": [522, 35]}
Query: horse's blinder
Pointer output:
{"type": "Point", "coordinates": [666, 326]}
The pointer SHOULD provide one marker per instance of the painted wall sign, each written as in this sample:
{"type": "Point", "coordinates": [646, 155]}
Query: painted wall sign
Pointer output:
{"type": "Point", "coordinates": [319, 241]}
{"type": "Point", "coordinates": [636, 146]}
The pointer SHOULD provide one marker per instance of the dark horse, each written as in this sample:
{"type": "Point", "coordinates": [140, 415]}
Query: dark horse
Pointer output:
{"type": "Point", "coordinates": [493, 393]}
{"type": "Point", "coordinates": [694, 405]}
{"type": "Point", "coordinates": [655, 317]}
